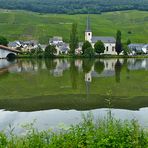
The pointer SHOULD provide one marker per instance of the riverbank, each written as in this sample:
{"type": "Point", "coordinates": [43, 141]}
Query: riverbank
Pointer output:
{"type": "Point", "coordinates": [108, 132]}
{"type": "Point", "coordinates": [81, 56]}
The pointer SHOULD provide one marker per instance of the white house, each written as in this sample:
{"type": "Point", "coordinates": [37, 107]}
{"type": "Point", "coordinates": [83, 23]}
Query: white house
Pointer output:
{"type": "Point", "coordinates": [62, 47]}
{"type": "Point", "coordinates": [109, 42]}
{"type": "Point", "coordinates": [23, 45]}
{"type": "Point", "coordinates": [55, 40]}
{"type": "Point", "coordinates": [138, 48]}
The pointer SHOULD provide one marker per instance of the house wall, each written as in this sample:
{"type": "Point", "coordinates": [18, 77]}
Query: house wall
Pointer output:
{"type": "Point", "coordinates": [108, 48]}
{"type": "Point", "coordinates": [4, 53]}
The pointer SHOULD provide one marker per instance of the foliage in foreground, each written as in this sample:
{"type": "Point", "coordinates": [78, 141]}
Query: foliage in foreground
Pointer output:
{"type": "Point", "coordinates": [106, 133]}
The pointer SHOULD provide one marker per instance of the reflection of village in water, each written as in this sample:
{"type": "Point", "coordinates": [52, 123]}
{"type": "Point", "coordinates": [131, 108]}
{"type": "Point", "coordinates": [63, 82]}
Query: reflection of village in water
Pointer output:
{"type": "Point", "coordinates": [90, 67]}
{"type": "Point", "coordinates": [78, 79]}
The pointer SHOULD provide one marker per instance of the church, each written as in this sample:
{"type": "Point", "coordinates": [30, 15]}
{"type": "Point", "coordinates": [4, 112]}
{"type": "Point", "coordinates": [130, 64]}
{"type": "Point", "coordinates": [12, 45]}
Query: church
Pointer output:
{"type": "Point", "coordinates": [109, 42]}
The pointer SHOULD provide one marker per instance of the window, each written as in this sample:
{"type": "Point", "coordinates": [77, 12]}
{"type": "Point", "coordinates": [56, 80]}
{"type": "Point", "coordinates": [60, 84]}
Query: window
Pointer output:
{"type": "Point", "coordinates": [107, 48]}
{"type": "Point", "coordinates": [113, 48]}
{"type": "Point", "coordinates": [89, 34]}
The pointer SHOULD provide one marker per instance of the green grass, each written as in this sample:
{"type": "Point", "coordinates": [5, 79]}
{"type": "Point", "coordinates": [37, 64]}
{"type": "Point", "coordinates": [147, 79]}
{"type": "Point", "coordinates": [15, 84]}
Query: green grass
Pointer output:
{"type": "Point", "coordinates": [28, 25]}
{"type": "Point", "coordinates": [106, 133]}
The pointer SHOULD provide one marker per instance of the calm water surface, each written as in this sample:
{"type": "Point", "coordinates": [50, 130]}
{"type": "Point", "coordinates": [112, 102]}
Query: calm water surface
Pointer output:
{"type": "Point", "coordinates": [58, 91]}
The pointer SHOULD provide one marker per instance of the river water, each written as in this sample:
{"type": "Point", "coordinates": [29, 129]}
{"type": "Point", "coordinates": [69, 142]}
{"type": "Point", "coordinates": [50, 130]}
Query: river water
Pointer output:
{"type": "Point", "coordinates": [55, 93]}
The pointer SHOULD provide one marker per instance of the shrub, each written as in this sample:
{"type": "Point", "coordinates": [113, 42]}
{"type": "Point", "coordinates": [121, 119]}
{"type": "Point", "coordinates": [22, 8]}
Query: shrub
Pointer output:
{"type": "Point", "coordinates": [108, 132]}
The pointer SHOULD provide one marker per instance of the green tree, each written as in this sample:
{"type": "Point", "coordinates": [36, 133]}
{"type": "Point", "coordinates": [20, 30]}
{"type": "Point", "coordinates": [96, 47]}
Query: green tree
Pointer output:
{"type": "Point", "coordinates": [118, 42]}
{"type": "Point", "coordinates": [3, 41]}
{"type": "Point", "coordinates": [128, 42]}
{"type": "Point", "coordinates": [73, 39]}
{"type": "Point", "coordinates": [86, 45]}
{"type": "Point", "coordinates": [99, 47]}
{"type": "Point", "coordinates": [126, 50]}
{"type": "Point", "coordinates": [50, 51]}
{"type": "Point", "coordinates": [89, 52]}
{"type": "Point", "coordinates": [39, 51]}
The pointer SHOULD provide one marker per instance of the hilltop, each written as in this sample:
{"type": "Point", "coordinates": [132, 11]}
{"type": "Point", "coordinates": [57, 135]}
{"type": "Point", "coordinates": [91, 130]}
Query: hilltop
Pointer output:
{"type": "Point", "coordinates": [74, 6]}
{"type": "Point", "coordinates": [24, 25]}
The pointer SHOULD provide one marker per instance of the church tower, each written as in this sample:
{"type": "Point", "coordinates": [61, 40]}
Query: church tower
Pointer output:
{"type": "Point", "coordinates": [88, 32]}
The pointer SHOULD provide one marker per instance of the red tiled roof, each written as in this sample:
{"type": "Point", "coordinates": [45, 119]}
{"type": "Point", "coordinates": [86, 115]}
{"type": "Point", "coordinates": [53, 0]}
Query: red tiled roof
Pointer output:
{"type": "Point", "coordinates": [9, 49]}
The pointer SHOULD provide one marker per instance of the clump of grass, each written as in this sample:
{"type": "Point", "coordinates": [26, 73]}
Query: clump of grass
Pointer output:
{"type": "Point", "coordinates": [106, 133]}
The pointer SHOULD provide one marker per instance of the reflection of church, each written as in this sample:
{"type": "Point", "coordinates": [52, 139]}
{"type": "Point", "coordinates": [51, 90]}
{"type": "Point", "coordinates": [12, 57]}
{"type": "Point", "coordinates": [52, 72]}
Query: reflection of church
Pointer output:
{"type": "Point", "coordinates": [88, 80]}
{"type": "Point", "coordinates": [88, 77]}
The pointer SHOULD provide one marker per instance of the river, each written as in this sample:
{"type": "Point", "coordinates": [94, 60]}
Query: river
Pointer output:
{"type": "Point", "coordinates": [55, 93]}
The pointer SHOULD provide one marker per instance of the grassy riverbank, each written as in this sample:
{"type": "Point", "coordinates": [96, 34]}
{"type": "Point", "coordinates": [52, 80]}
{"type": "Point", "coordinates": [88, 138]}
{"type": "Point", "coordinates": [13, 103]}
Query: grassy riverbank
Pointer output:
{"type": "Point", "coordinates": [22, 56]}
{"type": "Point", "coordinates": [23, 25]}
{"type": "Point", "coordinates": [108, 132]}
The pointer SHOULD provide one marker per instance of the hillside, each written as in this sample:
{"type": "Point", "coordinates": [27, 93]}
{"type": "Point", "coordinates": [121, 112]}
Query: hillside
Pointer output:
{"type": "Point", "coordinates": [74, 6]}
{"type": "Point", "coordinates": [28, 25]}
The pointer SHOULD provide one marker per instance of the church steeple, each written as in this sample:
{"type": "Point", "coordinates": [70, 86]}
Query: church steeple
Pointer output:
{"type": "Point", "coordinates": [88, 28]}
{"type": "Point", "coordinates": [88, 32]}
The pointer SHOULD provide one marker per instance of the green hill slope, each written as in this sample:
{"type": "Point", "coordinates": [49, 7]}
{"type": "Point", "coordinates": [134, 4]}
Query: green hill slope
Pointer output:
{"type": "Point", "coordinates": [28, 25]}
{"type": "Point", "coordinates": [74, 6]}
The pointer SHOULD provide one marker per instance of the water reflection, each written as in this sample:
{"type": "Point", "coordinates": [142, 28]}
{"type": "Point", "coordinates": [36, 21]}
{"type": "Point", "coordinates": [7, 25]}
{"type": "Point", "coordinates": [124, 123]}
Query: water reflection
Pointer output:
{"type": "Point", "coordinates": [98, 67]}
{"type": "Point", "coordinates": [73, 84]}
{"type": "Point", "coordinates": [59, 90]}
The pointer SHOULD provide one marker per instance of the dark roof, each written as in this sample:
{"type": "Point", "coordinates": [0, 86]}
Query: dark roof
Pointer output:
{"type": "Point", "coordinates": [14, 44]}
{"type": "Point", "coordinates": [64, 47]}
{"type": "Point", "coordinates": [9, 49]}
{"type": "Point", "coordinates": [132, 45]}
{"type": "Point", "coordinates": [136, 46]}
{"type": "Point", "coordinates": [103, 39]}
{"type": "Point", "coordinates": [56, 39]}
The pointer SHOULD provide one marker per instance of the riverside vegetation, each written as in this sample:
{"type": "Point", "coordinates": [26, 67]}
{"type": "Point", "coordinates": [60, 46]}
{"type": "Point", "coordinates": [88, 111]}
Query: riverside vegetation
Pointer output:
{"type": "Point", "coordinates": [108, 132]}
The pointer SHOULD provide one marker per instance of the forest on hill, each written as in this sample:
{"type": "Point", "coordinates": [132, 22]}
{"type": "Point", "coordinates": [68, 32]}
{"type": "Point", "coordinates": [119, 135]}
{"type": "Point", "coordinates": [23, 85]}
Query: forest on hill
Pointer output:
{"type": "Point", "coordinates": [74, 6]}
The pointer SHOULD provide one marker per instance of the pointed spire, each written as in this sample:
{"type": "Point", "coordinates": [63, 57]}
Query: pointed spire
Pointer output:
{"type": "Point", "coordinates": [88, 28]}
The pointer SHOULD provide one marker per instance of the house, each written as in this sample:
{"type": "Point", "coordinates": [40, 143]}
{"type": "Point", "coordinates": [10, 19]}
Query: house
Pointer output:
{"type": "Point", "coordinates": [78, 51]}
{"type": "Point", "coordinates": [23, 45]}
{"type": "Point", "coordinates": [55, 40]}
{"type": "Point", "coordinates": [109, 42]}
{"type": "Point", "coordinates": [42, 46]}
{"type": "Point", "coordinates": [138, 48]}
{"type": "Point", "coordinates": [29, 45]}
{"type": "Point", "coordinates": [62, 47]}
{"type": "Point", "coordinates": [14, 45]}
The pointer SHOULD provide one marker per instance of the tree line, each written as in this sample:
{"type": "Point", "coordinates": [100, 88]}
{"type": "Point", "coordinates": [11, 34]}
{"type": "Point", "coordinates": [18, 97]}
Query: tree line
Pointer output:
{"type": "Point", "coordinates": [74, 6]}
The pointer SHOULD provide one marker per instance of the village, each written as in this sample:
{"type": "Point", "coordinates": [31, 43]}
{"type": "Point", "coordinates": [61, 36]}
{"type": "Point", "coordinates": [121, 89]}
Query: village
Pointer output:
{"type": "Point", "coordinates": [62, 48]}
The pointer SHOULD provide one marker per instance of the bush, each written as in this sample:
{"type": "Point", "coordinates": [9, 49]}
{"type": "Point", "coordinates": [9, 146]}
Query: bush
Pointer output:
{"type": "Point", "coordinates": [89, 52]}
{"type": "Point", "coordinates": [3, 41]}
{"type": "Point", "coordinates": [109, 132]}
